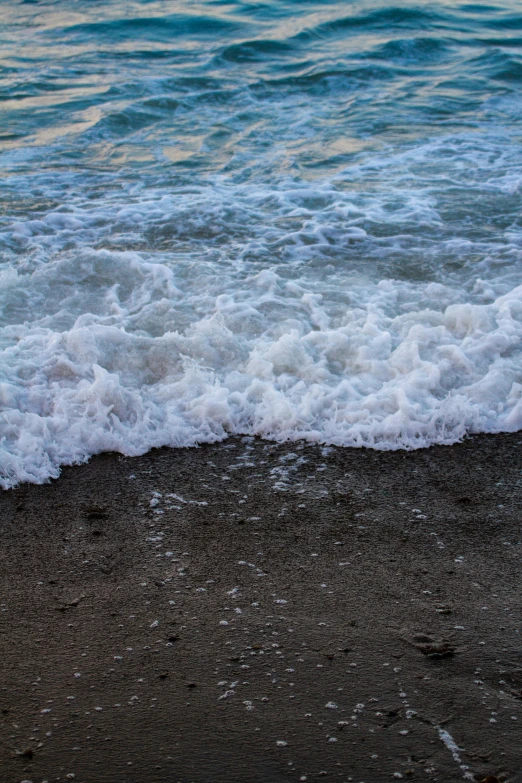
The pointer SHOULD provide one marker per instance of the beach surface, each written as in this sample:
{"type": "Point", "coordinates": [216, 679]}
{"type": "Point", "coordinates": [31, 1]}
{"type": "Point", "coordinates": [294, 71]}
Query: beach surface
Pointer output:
{"type": "Point", "coordinates": [248, 612]}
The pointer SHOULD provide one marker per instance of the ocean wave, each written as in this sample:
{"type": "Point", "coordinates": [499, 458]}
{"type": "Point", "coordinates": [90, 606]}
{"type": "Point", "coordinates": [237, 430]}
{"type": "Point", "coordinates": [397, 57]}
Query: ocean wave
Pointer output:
{"type": "Point", "coordinates": [290, 220]}
{"type": "Point", "coordinates": [398, 17]}
{"type": "Point", "coordinates": [159, 27]}
{"type": "Point", "coordinates": [385, 366]}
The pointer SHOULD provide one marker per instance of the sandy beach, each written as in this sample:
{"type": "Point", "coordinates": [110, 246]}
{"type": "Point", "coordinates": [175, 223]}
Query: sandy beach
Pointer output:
{"type": "Point", "coordinates": [250, 612]}
{"type": "Point", "coordinates": [272, 225]}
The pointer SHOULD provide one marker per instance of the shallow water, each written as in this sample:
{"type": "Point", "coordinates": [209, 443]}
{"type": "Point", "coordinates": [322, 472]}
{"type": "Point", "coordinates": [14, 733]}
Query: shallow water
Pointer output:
{"type": "Point", "coordinates": [290, 219]}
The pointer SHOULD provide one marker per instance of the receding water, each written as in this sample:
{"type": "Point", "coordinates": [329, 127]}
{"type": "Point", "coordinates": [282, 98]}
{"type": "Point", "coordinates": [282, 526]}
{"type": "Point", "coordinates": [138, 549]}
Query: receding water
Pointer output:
{"type": "Point", "coordinates": [291, 219]}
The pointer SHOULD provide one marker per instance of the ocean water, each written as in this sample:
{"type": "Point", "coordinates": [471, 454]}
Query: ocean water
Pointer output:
{"type": "Point", "coordinates": [295, 219]}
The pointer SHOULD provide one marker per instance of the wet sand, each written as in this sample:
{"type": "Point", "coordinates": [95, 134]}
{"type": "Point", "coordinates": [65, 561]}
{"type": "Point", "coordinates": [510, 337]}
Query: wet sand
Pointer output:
{"type": "Point", "coordinates": [254, 613]}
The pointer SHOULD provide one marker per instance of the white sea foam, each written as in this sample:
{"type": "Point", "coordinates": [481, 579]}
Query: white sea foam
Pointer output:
{"type": "Point", "coordinates": [102, 365]}
{"type": "Point", "coordinates": [287, 311]}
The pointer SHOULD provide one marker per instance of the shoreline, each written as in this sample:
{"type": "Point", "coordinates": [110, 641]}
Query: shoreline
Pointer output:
{"type": "Point", "coordinates": [252, 611]}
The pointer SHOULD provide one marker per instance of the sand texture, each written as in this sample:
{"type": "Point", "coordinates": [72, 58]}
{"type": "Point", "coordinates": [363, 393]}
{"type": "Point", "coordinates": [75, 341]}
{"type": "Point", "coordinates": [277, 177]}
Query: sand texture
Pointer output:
{"type": "Point", "coordinates": [254, 613]}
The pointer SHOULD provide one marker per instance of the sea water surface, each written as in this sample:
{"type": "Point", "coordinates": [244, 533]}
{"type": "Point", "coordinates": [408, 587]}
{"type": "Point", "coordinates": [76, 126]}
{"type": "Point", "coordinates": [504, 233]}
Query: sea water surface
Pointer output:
{"type": "Point", "coordinates": [295, 219]}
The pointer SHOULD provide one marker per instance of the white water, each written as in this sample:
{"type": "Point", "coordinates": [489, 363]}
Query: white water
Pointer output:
{"type": "Point", "coordinates": [123, 350]}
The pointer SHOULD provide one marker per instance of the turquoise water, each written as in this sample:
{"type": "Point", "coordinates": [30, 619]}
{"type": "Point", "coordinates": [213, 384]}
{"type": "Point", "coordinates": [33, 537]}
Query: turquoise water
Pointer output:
{"type": "Point", "coordinates": [290, 219]}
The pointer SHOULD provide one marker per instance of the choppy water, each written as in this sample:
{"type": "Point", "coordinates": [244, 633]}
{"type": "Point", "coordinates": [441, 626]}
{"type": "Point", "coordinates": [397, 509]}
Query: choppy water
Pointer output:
{"type": "Point", "coordinates": [293, 219]}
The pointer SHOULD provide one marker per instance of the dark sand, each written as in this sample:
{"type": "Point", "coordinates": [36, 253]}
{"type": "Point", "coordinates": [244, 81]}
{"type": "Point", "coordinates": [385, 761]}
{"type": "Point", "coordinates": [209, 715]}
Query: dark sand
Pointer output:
{"type": "Point", "coordinates": [330, 616]}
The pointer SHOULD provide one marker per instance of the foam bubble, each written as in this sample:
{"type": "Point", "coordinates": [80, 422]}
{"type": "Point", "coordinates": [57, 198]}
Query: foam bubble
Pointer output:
{"type": "Point", "coordinates": [103, 366]}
